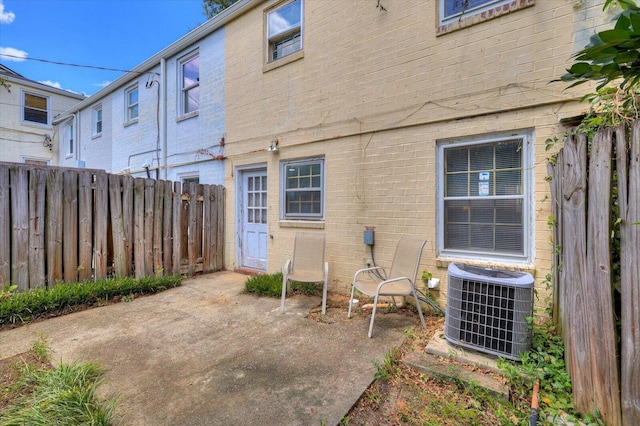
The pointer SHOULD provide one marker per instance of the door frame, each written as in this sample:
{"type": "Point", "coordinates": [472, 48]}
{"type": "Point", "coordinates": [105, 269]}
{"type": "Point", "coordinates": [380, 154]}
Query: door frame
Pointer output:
{"type": "Point", "coordinates": [239, 192]}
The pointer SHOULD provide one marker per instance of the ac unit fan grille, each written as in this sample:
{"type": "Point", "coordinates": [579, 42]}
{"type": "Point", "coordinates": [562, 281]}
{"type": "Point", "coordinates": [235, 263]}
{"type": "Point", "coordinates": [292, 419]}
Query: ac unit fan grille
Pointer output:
{"type": "Point", "coordinates": [488, 316]}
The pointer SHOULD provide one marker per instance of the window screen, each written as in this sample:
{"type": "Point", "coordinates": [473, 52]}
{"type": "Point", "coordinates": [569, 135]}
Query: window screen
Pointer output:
{"type": "Point", "coordinates": [484, 198]}
{"type": "Point", "coordinates": [36, 108]}
{"type": "Point", "coordinates": [303, 189]}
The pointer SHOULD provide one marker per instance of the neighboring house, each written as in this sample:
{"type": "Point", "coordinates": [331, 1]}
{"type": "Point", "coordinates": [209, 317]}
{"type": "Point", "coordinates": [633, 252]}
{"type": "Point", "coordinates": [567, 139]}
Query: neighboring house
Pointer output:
{"type": "Point", "coordinates": [164, 119]}
{"type": "Point", "coordinates": [416, 117]}
{"type": "Point", "coordinates": [27, 112]}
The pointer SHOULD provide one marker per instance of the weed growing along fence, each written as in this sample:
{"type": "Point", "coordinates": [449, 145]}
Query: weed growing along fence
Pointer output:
{"type": "Point", "coordinates": [78, 224]}
{"type": "Point", "coordinates": [591, 200]}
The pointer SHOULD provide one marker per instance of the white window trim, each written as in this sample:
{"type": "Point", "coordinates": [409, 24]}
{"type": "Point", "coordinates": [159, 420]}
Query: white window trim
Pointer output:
{"type": "Point", "coordinates": [188, 176]}
{"type": "Point", "coordinates": [128, 107]}
{"type": "Point", "coordinates": [69, 138]}
{"type": "Point", "coordinates": [182, 113]}
{"type": "Point", "coordinates": [497, 8]}
{"type": "Point", "coordinates": [25, 158]}
{"type": "Point", "coordinates": [528, 198]}
{"type": "Point", "coordinates": [23, 93]}
{"type": "Point", "coordinates": [283, 184]}
{"type": "Point", "coordinates": [94, 120]}
{"type": "Point", "coordinates": [268, 40]}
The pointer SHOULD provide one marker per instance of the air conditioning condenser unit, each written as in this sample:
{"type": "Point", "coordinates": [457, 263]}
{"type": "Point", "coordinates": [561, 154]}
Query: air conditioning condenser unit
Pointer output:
{"type": "Point", "coordinates": [487, 310]}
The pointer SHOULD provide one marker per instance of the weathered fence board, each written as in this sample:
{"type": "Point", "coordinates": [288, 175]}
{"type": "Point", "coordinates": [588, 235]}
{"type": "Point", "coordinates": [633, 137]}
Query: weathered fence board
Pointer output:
{"type": "Point", "coordinates": [149, 191]}
{"type": "Point", "coordinates": [629, 198]}
{"type": "Point", "coordinates": [54, 226]}
{"type": "Point", "coordinates": [127, 215]}
{"type": "Point", "coordinates": [85, 224]}
{"type": "Point", "coordinates": [176, 224]}
{"type": "Point", "coordinates": [120, 260]}
{"type": "Point", "coordinates": [584, 281]}
{"type": "Point", "coordinates": [600, 315]}
{"type": "Point", "coordinates": [138, 228]}
{"type": "Point", "coordinates": [20, 232]}
{"type": "Point", "coordinates": [37, 182]}
{"type": "Point", "coordinates": [575, 325]}
{"type": "Point", "coordinates": [76, 224]}
{"type": "Point", "coordinates": [167, 240]}
{"type": "Point", "coordinates": [5, 228]}
{"type": "Point", "coordinates": [101, 211]}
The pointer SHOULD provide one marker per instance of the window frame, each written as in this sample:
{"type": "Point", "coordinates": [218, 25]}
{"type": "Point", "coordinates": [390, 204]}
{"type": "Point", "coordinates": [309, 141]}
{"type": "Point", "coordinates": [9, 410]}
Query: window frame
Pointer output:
{"type": "Point", "coordinates": [23, 118]}
{"type": "Point", "coordinates": [527, 197]}
{"type": "Point", "coordinates": [69, 139]}
{"type": "Point", "coordinates": [490, 8]}
{"type": "Point", "coordinates": [270, 40]}
{"type": "Point", "coordinates": [97, 120]}
{"type": "Point", "coordinates": [183, 98]}
{"type": "Point", "coordinates": [284, 214]}
{"type": "Point", "coordinates": [131, 106]}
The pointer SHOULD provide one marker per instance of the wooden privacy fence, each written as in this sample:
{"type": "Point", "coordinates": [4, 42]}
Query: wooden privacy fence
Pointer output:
{"type": "Point", "coordinates": [78, 224]}
{"type": "Point", "coordinates": [584, 191]}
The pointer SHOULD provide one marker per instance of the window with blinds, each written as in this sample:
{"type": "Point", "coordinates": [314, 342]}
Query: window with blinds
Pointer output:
{"type": "Point", "coordinates": [451, 10]}
{"type": "Point", "coordinates": [484, 203]}
{"type": "Point", "coordinates": [303, 189]}
{"type": "Point", "coordinates": [35, 108]}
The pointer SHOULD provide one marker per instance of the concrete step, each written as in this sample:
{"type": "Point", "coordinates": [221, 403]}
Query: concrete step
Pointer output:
{"type": "Point", "coordinates": [444, 360]}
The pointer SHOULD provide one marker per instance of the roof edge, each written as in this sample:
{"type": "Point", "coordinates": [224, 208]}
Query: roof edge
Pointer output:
{"type": "Point", "coordinates": [193, 36]}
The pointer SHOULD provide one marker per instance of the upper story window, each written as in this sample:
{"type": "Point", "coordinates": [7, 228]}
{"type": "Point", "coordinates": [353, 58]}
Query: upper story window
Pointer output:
{"type": "Point", "coordinates": [35, 108]}
{"type": "Point", "coordinates": [303, 190]}
{"type": "Point", "coordinates": [190, 84]}
{"type": "Point", "coordinates": [485, 198]}
{"type": "Point", "coordinates": [131, 96]}
{"type": "Point", "coordinates": [452, 11]}
{"type": "Point", "coordinates": [284, 30]}
{"type": "Point", "coordinates": [97, 120]}
{"type": "Point", "coordinates": [68, 138]}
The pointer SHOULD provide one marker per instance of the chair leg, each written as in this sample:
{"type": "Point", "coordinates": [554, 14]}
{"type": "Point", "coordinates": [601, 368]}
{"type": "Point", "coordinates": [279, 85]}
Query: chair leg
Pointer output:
{"type": "Point", "coordinates": [373, 314]}
{"type": "Point", "coordinates": [353, 289]}
{"type": "Point", "coordinates": [324, 298]}
{"type": "Point", "coordinates": [324, 290]}
{"type": "Point", "coordinates": [415, 297]}
{"type": "Point", "coordinates": [285, 278]}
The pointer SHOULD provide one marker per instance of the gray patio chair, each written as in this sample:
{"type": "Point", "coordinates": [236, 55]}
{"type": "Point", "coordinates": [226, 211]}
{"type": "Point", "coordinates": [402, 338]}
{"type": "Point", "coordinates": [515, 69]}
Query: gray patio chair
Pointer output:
{"type": "Point", "coordinates": [307, 264]}
{"type": "Point", "coordinates": [400, 278]}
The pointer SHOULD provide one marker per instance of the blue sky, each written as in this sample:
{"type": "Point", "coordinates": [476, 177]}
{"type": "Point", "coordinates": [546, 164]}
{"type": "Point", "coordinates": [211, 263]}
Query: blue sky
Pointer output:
{"type": "Point", "coordinates": [118, 34]}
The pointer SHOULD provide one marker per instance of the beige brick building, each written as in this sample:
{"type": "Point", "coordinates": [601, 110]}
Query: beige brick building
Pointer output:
{"type": "Point", "coordinates": [413, 116]}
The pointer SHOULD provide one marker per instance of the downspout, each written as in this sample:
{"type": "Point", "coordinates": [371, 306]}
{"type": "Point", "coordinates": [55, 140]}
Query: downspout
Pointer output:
{"type": "Point", "coordinates": [163, 116]}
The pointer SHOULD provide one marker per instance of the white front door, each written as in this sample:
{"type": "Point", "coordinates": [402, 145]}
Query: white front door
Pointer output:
{"type": "Point", "coordinates": [253, 222]}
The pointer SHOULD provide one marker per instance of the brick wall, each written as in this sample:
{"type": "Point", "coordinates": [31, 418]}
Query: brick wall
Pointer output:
{"type": "Point", "coordinates": [374, 93]}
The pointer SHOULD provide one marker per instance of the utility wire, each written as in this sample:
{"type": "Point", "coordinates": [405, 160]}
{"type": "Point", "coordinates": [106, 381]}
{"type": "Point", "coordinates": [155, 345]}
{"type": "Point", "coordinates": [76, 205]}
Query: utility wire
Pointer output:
{"type": "Point", "coordinates": [75, 65]}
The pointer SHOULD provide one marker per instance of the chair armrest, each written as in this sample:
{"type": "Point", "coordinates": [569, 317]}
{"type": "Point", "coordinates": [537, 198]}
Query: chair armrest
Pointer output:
{"type": "Point", "coordinates": [393, 280]}
{"type": "Point", "coordinates": [287, 267]}
{"type": "Point", "coordinates": [374, 268]}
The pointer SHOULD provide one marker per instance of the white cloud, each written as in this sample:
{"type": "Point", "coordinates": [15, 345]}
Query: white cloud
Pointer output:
{"type": "Point", "coordinates": [15, 55]}
{"type": "Point", "coordinates": [6, 17]}
{"type": "Point", "coordinates": [103, 84]}
{"type": "Point", "coordinates": [52, 84]}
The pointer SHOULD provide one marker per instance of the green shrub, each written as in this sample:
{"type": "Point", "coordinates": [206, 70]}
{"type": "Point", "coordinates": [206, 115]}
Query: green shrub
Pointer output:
{"type": "Point", "coordinates": [22, 307]}
{"type": "Point", "coordinates": [63, 396]}
{"type": "Point", "coordinates": [270, 285]}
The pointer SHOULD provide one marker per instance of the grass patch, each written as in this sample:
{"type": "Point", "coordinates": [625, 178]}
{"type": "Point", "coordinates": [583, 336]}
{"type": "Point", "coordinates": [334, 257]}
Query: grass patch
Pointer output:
{"type": "Point", "coordinates": [24, 307]}
{"type": "Point", "coordinates": [41, 395]}
{"type": "Point", "coordinates": [270, 285]}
